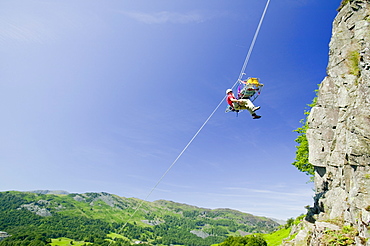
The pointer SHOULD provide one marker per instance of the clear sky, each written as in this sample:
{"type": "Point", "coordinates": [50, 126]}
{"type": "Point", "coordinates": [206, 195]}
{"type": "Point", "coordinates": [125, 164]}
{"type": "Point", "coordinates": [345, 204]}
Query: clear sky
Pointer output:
{"type": "Point", "coordinates": [104, 95]}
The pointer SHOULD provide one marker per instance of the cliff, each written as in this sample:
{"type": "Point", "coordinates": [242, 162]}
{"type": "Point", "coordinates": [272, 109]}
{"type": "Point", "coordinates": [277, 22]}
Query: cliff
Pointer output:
{"type": "Point", "coordinates": [339, 138]}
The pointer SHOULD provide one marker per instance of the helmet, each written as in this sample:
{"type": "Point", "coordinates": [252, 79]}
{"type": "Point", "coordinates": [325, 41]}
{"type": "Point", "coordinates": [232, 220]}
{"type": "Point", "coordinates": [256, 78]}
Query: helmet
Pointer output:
{"type": "Point", "coordinates": [228, 91]}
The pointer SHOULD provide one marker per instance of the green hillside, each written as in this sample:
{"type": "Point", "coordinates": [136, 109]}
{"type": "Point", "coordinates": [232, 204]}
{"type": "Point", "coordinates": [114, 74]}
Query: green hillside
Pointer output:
{"type": "Point", "coordinates": [99, 219]}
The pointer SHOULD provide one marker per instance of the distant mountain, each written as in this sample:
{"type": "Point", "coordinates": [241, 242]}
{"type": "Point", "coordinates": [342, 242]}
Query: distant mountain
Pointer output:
{"type": "Point", "coordinates": [99, 218]}
{"type": "Point", "coordinates": [281, 222]}
{"type": "Point", "coordinates": [53, 192]}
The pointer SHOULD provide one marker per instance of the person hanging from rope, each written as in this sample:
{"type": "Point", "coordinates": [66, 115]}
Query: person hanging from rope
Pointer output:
{"type": "Point", "coordinates": [241, 104]}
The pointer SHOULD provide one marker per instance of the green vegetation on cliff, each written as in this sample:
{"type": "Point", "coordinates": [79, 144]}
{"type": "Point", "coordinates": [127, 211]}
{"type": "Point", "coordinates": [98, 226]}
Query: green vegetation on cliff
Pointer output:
{"type": "Point", "coordinates": [302, 152]}
{"type": "Point", "coordinates": [342, 4]}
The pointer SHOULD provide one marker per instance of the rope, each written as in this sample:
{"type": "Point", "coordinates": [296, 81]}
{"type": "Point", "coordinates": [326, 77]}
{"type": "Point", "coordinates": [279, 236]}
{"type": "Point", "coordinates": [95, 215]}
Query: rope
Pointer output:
{"type": "Point", "coordinates": [253, 42]}
{"type": "Point", "coordinates": [205, 122]}
{"type": "Point", "coordinates": [173, 163]}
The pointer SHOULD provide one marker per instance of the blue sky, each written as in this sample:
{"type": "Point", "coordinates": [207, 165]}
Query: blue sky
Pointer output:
{"type": "Point", "coordinates": [103, 96]}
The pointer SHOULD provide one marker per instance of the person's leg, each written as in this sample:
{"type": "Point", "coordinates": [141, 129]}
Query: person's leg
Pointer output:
{"type": "Point", "coordinates": [237, 106]}
{"type": "Point", "coordinates": [251, 105]}
{"type": "Point", "coordinates": [247, 104]}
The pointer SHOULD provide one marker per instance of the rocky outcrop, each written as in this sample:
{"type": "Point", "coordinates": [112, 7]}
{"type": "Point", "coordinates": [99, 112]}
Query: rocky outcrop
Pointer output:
{"type": "Point", "coordinates": [339, 137]}
{"type": "Point", "coordinates": [3, 235]}
{"type": "Point", "coordinates": [38, 208]}
{"type": "Point", "coordinates": [201, 234]}
{"type": "Point", "coordinates": [94, 198]}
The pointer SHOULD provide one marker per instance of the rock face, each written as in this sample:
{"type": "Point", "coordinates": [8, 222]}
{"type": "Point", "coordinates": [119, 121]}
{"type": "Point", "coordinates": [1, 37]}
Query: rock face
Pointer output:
{"type": "Point", "coordinates": [3, 235]}
{"type": "Point", "coordinates": [339, 136]}
{"type": "Point", "coordinates": [38, 208]}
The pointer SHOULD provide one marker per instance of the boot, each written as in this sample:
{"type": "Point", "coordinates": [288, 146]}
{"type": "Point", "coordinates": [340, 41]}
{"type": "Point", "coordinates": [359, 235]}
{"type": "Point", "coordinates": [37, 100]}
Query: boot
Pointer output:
{"type": "Point", "coordinates": [256, 108]}
{"type": "Point", "coordinates": [256, 116]}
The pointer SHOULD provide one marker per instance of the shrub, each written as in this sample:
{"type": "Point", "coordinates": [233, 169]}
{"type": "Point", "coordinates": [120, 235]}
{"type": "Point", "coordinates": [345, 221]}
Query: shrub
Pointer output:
{"type": "Point", "coordinates": [346, 236]}
{"type": "Point", "coordinates": [302, 152]}
{"type": "Point", "coordinates": [342, 4]}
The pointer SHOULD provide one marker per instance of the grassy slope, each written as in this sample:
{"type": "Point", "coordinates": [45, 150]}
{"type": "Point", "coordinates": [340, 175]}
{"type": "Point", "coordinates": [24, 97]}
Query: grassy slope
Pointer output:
{"type": "Point", "coordinates": [276, 238]}
{"type": "Point", "coordinates": [66, 241]}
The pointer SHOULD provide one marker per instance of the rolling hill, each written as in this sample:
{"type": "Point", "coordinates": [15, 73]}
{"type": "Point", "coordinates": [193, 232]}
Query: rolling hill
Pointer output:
{"type": "Point", "coordinates": [101, 218]}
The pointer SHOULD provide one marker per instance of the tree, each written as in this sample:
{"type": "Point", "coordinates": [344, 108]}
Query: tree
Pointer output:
{"type": "Point", "coordinates": [289, 223]}
{"type": "Point", "coordinates": [254, 240]}
{"type": "Point", "coordinates": [302, 152]}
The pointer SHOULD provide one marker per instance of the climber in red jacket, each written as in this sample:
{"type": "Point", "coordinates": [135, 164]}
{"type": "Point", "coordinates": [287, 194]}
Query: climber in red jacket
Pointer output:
{"type": "Point", "coordinates": [241, 104]}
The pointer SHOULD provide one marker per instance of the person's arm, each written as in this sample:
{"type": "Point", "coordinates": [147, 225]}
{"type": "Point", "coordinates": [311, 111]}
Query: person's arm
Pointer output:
{"type": "Point", "coordinates": [234, 100]}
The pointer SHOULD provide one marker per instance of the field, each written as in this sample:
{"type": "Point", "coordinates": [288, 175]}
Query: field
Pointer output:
{"type": "Point", "coordinates": [66, 241]}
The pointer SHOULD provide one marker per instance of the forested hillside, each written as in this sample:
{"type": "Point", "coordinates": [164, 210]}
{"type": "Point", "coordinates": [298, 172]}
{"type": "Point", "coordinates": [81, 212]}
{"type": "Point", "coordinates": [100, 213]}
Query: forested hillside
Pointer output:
{"type": "Point", "coordinates": [99, 218]}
